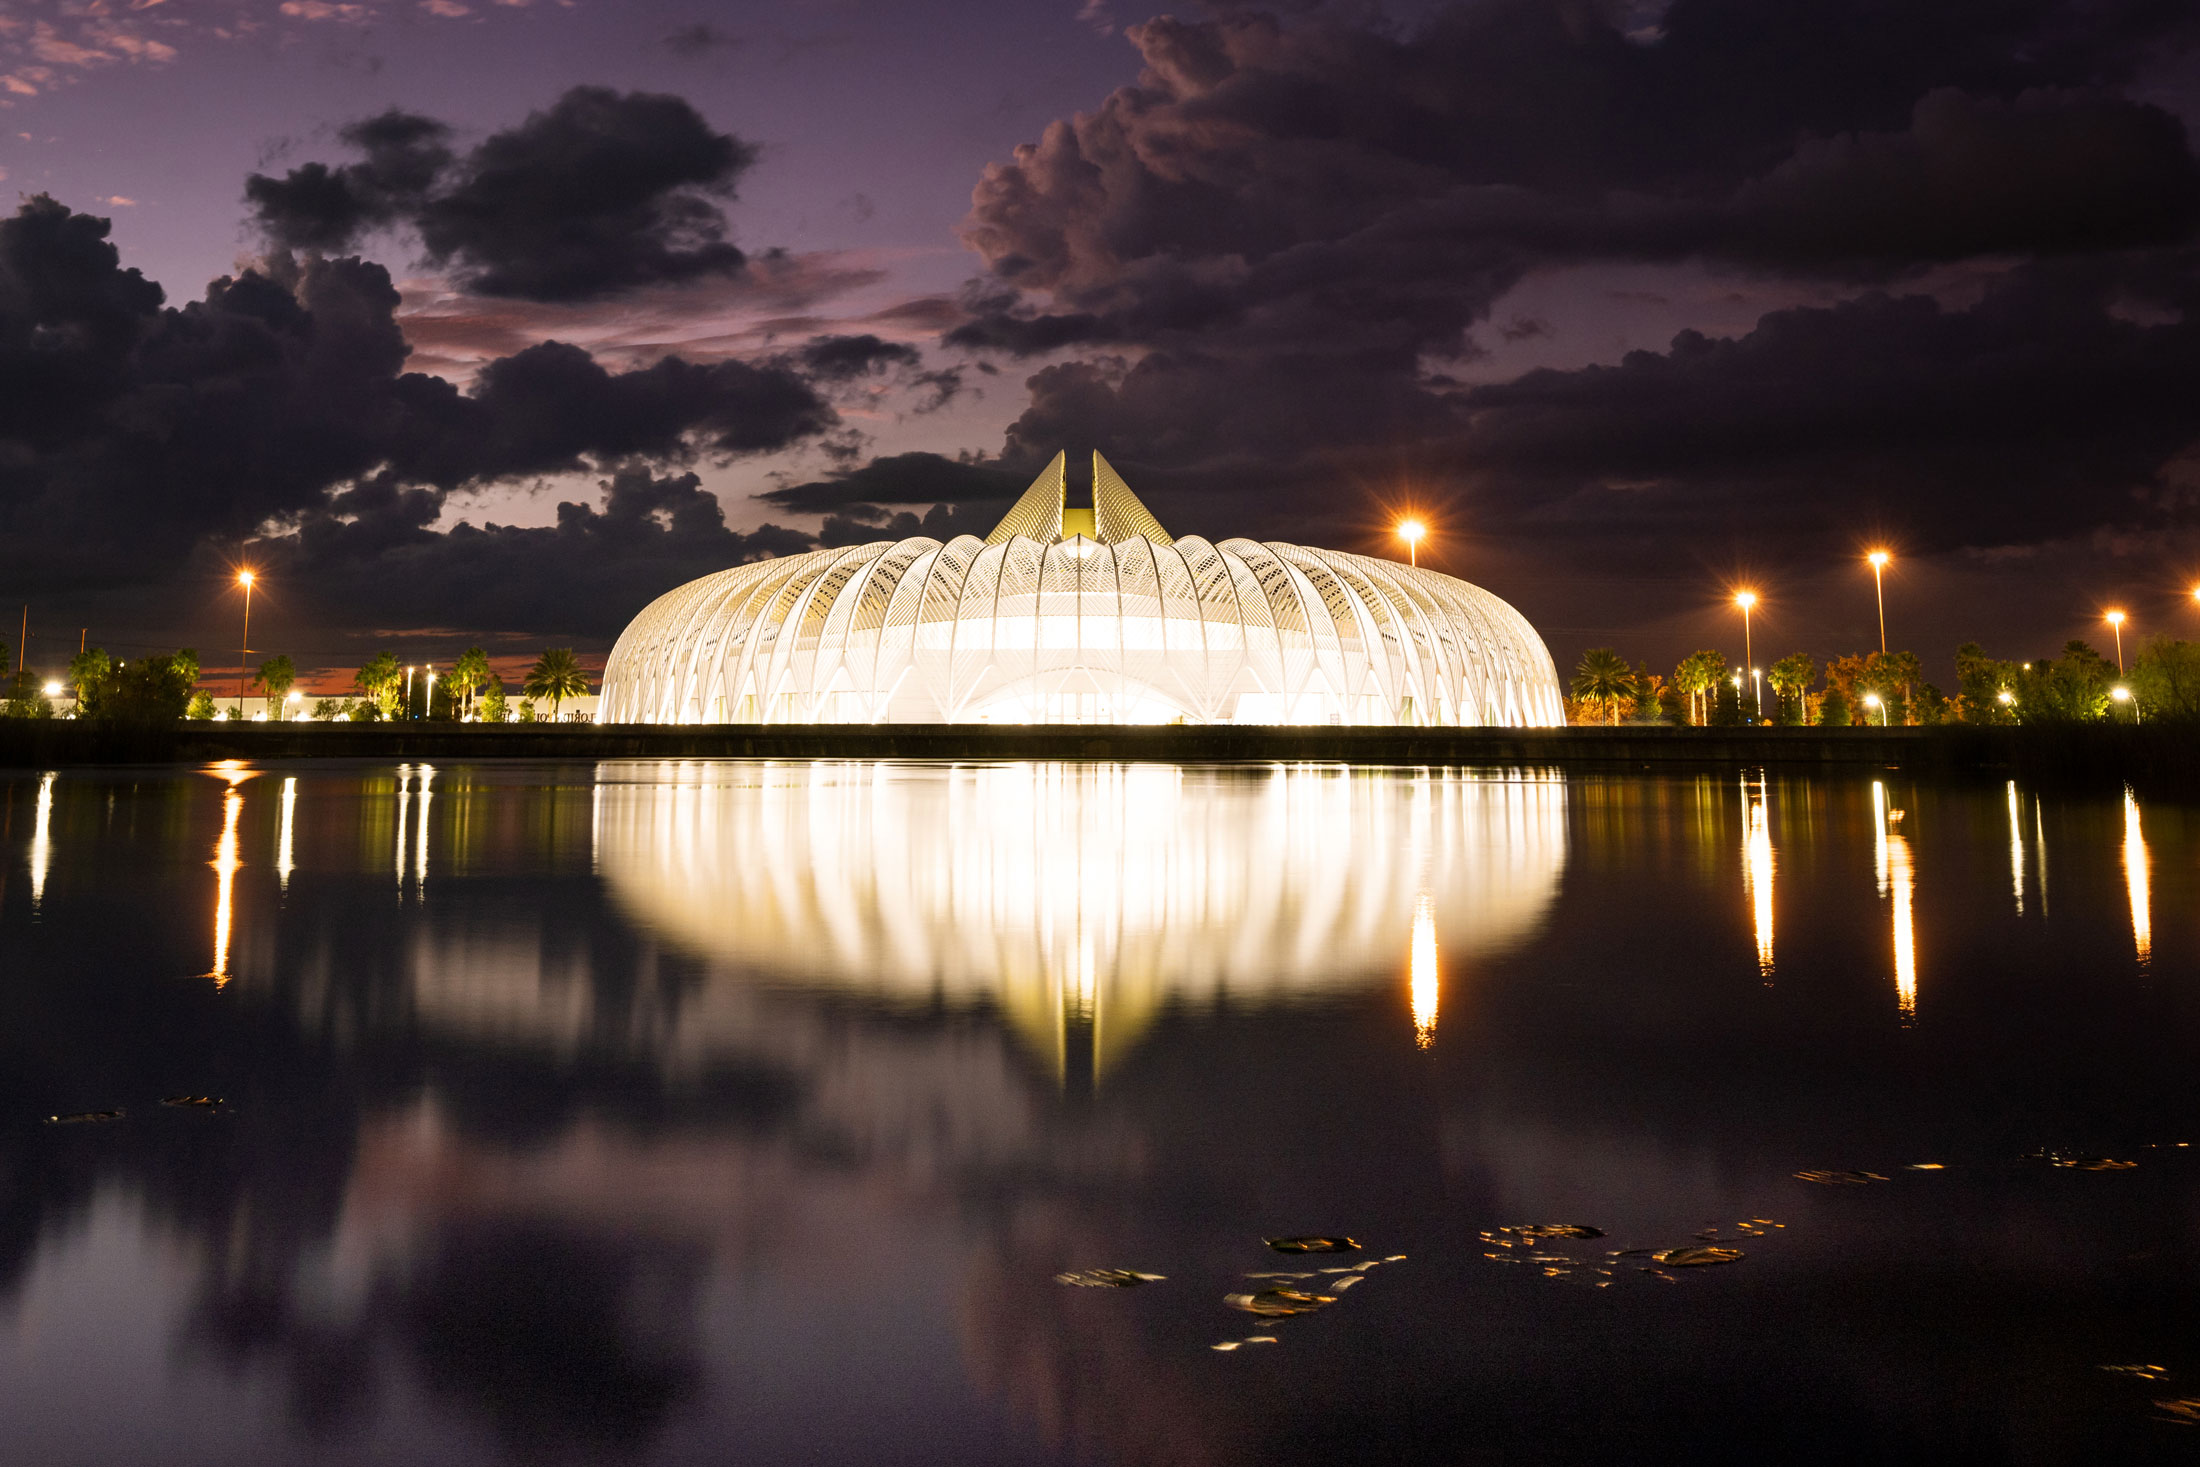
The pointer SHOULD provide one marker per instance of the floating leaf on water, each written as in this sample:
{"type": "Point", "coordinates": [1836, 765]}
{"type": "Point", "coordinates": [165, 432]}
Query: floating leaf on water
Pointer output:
{"type": "Point", "coordinates": [1312, 1245]}
{"type": "Point", "coordinates": [193, 1102]}
{"type": "Point", "coordinates": [1697, 1257]}
{"type": "Point", "coordinates": [2184, 1412]}
{"type": "Point", "coordinates": [1926, 1166]}
{"type": "Point", "coordinates": [1225, 1345]}
{"type": "Point", "coordinates": [1393, 1258]}
{"type": "Point", "coordinates": [1262, 1340]}
{"type": "Point", "coordinates": [1278, 1303]}
{"type": "Point", "coordinates": [1554, 1230]}
{"type": "Point", "coordinates": [1347, 1282]}
{"type": "Point", "coordinates": [2144, 1372]}
{"type": "Point", "coordinates": [1840, 1179]}
{"type": "Point", "coordinates": [1284, 1275]}
{"type": "Point", "coordinates": [1108, 1278]}
{"type": "Point", "coordinates": [85, 1118]}
{"type": "Point", "coordinates": [1631, 1252]}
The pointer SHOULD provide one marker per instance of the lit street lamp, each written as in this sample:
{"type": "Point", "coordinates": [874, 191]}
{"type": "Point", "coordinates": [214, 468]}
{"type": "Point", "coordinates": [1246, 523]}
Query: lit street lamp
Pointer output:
{"type": "Point", "coordinates": [1757, 676]}
{"type": "Point", "coordinates": [1745, 600]}
{"type": "Point", "coordinates": [1873, 700]}
{"type": "Point", "coordinates": [2116, 620]}
{"type": "Point", "coordinates": [1411, 532]}
{"type": "Point", "coordinates": [431, 692]}
{"type": "Point", "coordinates": [244, 645]}
{"type": "Point", "coordinates": [1879, 559]}
{"type": "Point", "coordinates": [2122, 694]}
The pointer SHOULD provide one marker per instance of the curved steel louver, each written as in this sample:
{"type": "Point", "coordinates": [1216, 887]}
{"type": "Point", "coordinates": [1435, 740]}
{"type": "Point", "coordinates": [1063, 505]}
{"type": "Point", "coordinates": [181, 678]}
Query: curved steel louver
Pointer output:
{"type": "Point", "coordinates": [1132, 627]}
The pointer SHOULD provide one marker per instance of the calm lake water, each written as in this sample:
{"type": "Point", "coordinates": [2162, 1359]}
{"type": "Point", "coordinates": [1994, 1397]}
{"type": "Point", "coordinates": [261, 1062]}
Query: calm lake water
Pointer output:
{"type": "Point", "coordinates": [715, 1112]}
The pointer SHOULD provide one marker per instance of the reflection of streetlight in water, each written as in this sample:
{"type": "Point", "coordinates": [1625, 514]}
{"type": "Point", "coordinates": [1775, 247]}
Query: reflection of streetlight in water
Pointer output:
{"type": "Point", "coordinates": [1424, 971]}
{"type": "Point", "coordinates": [1757, 872]}
{"type": "Point", "coordinates": [225, 862]}
{"type": "Point", "coordinates": [1897, 877]}
{"type": "Point", "coordinates": [42, 840]}
{"type": "Point", "coordinates": [2135, 878]}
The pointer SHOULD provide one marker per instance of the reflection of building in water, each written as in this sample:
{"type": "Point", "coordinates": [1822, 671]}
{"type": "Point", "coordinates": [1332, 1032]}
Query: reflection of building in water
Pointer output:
{"type": "Point", "coordinates": [2135, 878]}
{"type": "Point", "coordinates": [1078, 898]}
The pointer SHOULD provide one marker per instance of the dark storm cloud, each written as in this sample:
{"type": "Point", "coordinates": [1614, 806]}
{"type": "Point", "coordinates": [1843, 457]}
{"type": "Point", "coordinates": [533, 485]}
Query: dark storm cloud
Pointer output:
{"type": "Point", "coordinates": [600, 193]}
{"type": "Point", "coordinates": [846, 358]}
{"type": "Point", "coordinates": [861, 524]}
{"type": "Point", "coordinates": [131, 431]}
{"type": "Point", "coordinates": [317, 207]}
{"type": "Point", "coordinates": [2041, 412]}
{"type": "Point", "coordinates": [903, 478]}
{"type": "Point", "coordinates": [372, 553]}
{"type": "Point", "coordinates": [1272, 252]}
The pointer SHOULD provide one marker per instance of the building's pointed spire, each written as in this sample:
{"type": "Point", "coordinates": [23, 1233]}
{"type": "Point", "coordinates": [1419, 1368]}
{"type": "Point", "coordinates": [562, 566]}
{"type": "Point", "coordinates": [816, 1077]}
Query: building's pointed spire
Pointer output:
{"type": "Point", "coordinates": [1038, 515]}
{"type": "Point", "coordinates": [1117, 510]}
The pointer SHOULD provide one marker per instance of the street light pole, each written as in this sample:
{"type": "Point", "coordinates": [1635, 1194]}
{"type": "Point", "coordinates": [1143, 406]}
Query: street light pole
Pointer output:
{"type": "Point", "coordinates": [2116, 621]}
{"type": "Point", "coordinates": [1879, 559]}
{"type": "Point", "coordinates": [244, 644]}
{"type": "Point", "coordinates": [1411, 532]}
{"type": "Point", "coordinates": [1745, 600]}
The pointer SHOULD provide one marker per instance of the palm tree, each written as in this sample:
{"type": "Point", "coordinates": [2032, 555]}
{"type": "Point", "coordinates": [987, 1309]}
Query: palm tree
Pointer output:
{"type": "Point", "coordinates": [379, 680]}
{"type": "Point", "coordinates": [1697, 675]}
{"type": "Point", "coordinates": [556, 676]}
{"type": "Point", "coordinates": [278, 675]}
{"type": "Point", "coordinates": [1604, 677]}
{"type": "Point", "coordinates": [1791, 678]}
{"type": "Point", "coordinates": [471, 671]}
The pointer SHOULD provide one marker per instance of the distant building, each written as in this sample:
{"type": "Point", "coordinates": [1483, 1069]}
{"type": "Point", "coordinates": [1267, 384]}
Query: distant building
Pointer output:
{"type": "Point", "coordinates": [1080, 616]}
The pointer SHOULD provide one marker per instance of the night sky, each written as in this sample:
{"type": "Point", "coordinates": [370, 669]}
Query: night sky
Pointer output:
{"type": "Point", "coordinates": [492, 319]}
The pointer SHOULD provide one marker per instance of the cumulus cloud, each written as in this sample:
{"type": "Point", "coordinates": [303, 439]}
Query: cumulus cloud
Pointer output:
{"type": "Point", "coordinates": [599, 193]}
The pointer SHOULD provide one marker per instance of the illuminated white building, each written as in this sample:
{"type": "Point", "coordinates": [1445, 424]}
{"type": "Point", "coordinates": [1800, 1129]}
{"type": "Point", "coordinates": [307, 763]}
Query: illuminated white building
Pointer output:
{"type": "Point", "coordinates": [1080, 616]}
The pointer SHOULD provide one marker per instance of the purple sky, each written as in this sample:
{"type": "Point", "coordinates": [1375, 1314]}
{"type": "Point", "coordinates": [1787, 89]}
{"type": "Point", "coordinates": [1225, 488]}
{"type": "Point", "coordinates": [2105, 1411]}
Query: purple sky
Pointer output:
{"type": "Point", "coordinates": [1636, 300]}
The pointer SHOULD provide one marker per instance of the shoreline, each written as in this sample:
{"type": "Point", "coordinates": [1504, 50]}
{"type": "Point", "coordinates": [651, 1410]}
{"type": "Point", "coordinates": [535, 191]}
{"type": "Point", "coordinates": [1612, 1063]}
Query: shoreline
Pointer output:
{"type": "Point", "coordinates": [2158, 756]}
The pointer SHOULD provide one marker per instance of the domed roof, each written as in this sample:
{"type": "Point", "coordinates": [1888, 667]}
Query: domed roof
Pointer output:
{"type": "Point", "coordinates": [1080, 616]}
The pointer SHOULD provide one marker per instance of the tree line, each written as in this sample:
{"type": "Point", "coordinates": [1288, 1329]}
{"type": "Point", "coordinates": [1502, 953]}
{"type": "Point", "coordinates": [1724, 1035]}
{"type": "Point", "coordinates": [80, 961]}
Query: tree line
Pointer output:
{"type": "Point", "coordinates": [164, 689]}
{"type": "Point", "coordinates": [2079, 686]}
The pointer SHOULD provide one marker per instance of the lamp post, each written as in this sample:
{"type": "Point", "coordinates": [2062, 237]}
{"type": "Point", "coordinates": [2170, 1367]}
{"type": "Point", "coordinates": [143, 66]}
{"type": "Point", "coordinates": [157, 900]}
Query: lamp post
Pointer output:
{"type": "Point", "coordinates": [1745, 600]}
{"type": "Point", "coordinates": [408, 690]}
{"type": "Point", "coordinates": [1879, 559]}
{"type": "Point", "coordinates": [1757, 679]}
{"type": "Point", "coordinates": [1873, 700]}
{"type": "Point", "coordinates": [429, 710]}
{"type": "Point", "coordinates": [244, 644]}
{"type": "Point", "coordinates": [2116, 621]}
{"type": "Point", "coordinates": [2122, 694]}
{"type": "Point", "coordinates": [1411, 532]}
